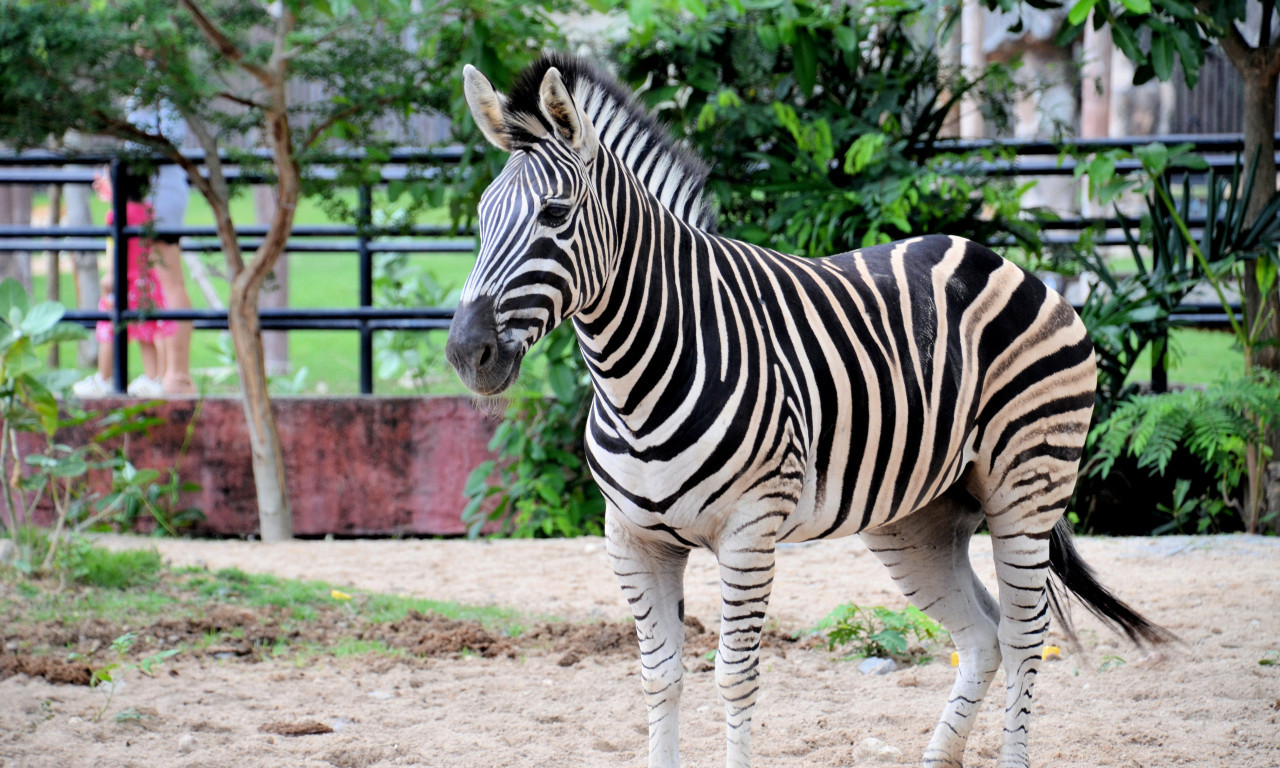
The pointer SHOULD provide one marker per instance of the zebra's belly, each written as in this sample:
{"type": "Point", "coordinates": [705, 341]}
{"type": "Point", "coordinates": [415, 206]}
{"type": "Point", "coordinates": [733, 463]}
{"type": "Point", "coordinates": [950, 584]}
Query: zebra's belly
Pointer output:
{"type": "Point", "coordinates": [645, 498]}
{"type": "Point", "coordinates": [702, 491]}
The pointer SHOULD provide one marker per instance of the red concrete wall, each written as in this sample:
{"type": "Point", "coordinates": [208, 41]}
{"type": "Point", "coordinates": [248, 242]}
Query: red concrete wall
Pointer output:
{"type": "Point", "coordinates": [355, 466]}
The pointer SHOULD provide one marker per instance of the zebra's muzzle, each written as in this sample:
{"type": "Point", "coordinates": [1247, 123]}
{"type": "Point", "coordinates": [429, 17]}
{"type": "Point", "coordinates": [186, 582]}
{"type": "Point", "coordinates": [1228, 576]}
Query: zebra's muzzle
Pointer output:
{"type": "Point", "coordinates": [485, 366]}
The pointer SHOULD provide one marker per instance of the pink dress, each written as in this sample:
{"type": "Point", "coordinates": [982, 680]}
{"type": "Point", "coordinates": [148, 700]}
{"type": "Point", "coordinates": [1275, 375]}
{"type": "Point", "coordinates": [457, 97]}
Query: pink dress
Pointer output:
{"type": "Point", "coordinates": [144, 289]}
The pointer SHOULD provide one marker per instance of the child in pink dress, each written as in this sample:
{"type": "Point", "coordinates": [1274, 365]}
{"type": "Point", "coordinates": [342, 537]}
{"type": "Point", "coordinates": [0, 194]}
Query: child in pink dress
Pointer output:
{"type": "Point", "coordinates": [144, 293]}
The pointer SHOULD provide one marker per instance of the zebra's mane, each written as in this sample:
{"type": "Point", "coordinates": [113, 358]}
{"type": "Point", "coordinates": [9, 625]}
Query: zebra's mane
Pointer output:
{"type": "Point", "coordinates": [671, 172]}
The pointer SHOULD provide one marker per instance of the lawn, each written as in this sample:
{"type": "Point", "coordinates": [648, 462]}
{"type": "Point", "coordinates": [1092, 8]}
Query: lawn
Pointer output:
{"type": "Point", "coordinates": [1198, 357]}
{"type": "Point", "coordinates": [316, 280]}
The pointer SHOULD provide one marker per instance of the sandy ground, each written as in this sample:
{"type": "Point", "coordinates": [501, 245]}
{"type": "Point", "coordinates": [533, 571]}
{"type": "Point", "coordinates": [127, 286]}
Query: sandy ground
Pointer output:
{"type": "Point", "coordinates": [1205, 703]}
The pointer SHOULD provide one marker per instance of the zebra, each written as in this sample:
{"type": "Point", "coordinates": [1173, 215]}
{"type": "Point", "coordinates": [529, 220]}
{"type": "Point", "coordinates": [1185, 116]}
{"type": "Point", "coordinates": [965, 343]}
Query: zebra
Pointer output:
{"type": "Point", "coordinates": [744, 398]}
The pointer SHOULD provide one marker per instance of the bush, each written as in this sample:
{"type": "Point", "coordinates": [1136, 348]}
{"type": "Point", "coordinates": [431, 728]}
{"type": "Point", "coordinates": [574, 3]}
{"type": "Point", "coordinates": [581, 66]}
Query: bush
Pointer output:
{"type": "Point", "coordinates": [907, 635]}
{"type": "Point", "coordinates": [820, 122]}
{"type": "Point", "coordinates": [1217, 426]}
{"type": "Point", "coordinates": [543, 488]}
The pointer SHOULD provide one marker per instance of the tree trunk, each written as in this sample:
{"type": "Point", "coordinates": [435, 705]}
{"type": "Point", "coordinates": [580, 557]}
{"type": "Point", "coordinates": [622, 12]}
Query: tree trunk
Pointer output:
{"type": "Point", "coordinates": [274, 516]}
{"type": "Point", "coordinates": [275, 519]}
{"type": "Point", "coordinates": [1260, 84]}
{"type": "Point", "coordinates": [15, 208]}
{"type": "Point", "coordinates": [275, 344]}
{"type": "Point", "coordinates": [1259, 137]}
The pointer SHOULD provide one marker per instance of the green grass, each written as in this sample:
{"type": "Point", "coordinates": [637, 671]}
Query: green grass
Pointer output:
{"type": "Point", "coordinates": [114, 605]}
{"type": "Point", "coordinates": [1198, 357]}
{"type": "Point", "coordinates": [76, 596]}
{"type": "Point", "coordinates": [303, 598]}
{"type": "Point", "coordinates": [321, 280]}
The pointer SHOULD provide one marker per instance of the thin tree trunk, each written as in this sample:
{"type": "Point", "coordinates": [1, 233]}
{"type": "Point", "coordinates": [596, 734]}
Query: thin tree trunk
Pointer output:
{"type": "Point", "coordinates": [274, 517]}
{"type": "Point", "coordinates": [1260, 83]}
{"type": "Point", "coordinates": [1259, 137]}
{"type": "Point", "coordinates": [15, 208]}
{"type": "Point", "coordinates": [275, 520]}
{"type": "Point", "coordinates": [275, 344]}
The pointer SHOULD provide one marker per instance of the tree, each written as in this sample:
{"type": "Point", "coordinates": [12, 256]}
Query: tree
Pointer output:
{"type": "Point", "coordinates": [224, 65]}
{"type": "Point", "coordinates": [820, 121]}
{"type": "Point", "coordinates": [1156, 35]}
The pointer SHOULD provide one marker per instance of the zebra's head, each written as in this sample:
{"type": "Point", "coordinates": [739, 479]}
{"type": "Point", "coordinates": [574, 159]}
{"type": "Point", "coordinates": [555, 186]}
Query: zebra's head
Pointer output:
{"type": "Point", "coordinates": [540, 227]}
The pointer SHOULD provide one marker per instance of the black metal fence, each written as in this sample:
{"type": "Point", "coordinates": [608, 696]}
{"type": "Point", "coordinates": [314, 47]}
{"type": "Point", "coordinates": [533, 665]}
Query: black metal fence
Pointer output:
{"type": "Point", "coordinates": [1033, 159]}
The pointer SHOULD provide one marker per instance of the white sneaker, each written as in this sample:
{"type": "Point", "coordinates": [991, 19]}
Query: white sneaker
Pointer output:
{"type": "Point", "coordinates": [92, 386]}
{"type": "Point", "coordinates": [145, 386]}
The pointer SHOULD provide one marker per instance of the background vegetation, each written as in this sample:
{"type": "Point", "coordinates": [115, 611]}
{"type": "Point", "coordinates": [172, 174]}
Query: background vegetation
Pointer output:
{"type": "Point", "coordinates": [821, 126]}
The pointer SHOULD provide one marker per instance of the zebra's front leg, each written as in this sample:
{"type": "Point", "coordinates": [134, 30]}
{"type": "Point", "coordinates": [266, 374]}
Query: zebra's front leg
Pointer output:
{"type": "Point", "coordinates": [746, 579]}
{"type": "Point", "coordinates": [652, 579]}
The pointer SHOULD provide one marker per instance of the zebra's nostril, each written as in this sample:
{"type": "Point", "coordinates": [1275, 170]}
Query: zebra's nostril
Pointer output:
{"type": "Point", "coordinates": [486, 354]}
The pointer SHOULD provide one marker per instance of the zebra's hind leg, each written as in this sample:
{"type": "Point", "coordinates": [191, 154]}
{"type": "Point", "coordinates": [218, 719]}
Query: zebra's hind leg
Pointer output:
{"type": "Point", "coordinates": [1022, 568]}
{"type": "Point", "coordinates": [927, 554]}
{"type": "Point", "coordinates": [652, 579]}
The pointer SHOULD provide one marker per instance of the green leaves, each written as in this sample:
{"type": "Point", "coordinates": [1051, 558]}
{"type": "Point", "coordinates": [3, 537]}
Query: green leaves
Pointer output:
{"type": "Point", "coordinates": [1216, 426]}
{"type": "Point", "coordinates": [640, 11]}
{"type": "Point", "coordinates": [27, 390]}
{"type": "Point", "coordinates": [1080, 11]}
{"type": "Point", "coordinates": [829, 144]}
{"type": "Point", "coordinates": [907, 635]}
{"type": "Point", "coordinates": [539, 486]}
{"type": "Point", "coordinates": [1178, 31]}
{"type": "Point", "coordinates": [1163, 51]}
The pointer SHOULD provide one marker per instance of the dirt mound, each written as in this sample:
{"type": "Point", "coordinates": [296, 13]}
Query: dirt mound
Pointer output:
{"type": "Point", "coordinates": [307, 728]}
{"type": "Point", "coordinates": [432, 635]}
{"type": "Point", "coordinates": [54, 670]}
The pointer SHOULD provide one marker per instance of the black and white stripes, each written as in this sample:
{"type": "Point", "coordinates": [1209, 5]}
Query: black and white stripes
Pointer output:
{"type": "Point", "coordinates": [744, 397]}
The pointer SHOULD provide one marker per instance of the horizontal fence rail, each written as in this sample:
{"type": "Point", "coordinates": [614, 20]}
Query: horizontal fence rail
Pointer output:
{"type": "Point", "coordinates": [1033, 158]}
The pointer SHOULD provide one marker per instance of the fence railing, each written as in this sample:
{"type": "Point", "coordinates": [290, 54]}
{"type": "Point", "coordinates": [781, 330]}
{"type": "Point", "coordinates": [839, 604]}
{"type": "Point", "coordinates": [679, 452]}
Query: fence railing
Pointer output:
{"type": "Point", "coordinates": [1033, 159]}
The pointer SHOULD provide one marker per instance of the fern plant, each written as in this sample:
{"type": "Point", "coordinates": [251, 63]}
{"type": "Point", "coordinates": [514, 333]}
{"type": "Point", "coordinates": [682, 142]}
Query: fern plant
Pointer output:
{"type": "Point", "coordinates": [1218, 425]}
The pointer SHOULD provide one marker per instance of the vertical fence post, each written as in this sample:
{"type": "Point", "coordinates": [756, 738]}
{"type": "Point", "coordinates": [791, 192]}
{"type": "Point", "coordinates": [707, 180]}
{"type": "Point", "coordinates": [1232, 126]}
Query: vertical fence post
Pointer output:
{"type": "Point", "coordinates": [120, 277]}
{"type": "Point", "coordinates": [1160, 362]}
{"type": "Point", "coordinates": [364, 219]}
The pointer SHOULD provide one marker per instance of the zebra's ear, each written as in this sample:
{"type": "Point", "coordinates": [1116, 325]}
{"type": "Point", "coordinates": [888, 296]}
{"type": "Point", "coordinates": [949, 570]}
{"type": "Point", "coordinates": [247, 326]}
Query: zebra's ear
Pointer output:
{"type": "Point", "coordinates": [559, 108]}
{"type": "Point", "coordinates": [488, 107]}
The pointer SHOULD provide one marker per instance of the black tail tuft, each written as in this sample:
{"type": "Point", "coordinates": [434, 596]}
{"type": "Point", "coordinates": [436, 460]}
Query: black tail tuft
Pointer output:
{"type": "Point", "coordinates": [1079, 579]}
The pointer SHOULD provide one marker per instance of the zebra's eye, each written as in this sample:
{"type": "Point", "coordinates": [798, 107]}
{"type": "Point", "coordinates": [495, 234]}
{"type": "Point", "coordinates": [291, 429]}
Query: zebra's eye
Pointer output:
{"type": "Point", "coordinates": [554, 213]}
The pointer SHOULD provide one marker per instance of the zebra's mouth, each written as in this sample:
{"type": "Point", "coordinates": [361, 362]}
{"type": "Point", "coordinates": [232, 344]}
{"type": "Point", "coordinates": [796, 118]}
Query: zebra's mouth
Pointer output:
{"type": "Point", "coordinates": [495, 379]}
{"type": "Point", "coordinates": [485, 365]}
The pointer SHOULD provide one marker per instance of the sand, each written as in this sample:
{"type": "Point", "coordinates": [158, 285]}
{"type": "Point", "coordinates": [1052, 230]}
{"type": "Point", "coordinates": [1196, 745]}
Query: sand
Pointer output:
{"type": "Point", "coordinates": [1206, 702]}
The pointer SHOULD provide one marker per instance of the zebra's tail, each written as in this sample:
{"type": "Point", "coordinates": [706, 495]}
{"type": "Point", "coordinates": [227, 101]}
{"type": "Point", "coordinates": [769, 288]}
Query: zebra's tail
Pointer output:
{"type": "Point", "coordinates": [1076, 575]}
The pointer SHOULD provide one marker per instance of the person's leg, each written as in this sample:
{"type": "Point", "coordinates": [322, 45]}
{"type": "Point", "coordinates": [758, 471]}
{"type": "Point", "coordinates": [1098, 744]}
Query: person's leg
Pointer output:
{"type": "Point", "coordinates": [169, 194]}
{"type": "Point", "coordinates": [150, 360]}
{"type": "Point", "coordinates": [105, 363]}
{"type": "Point", "coordinates": [176, 375]}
